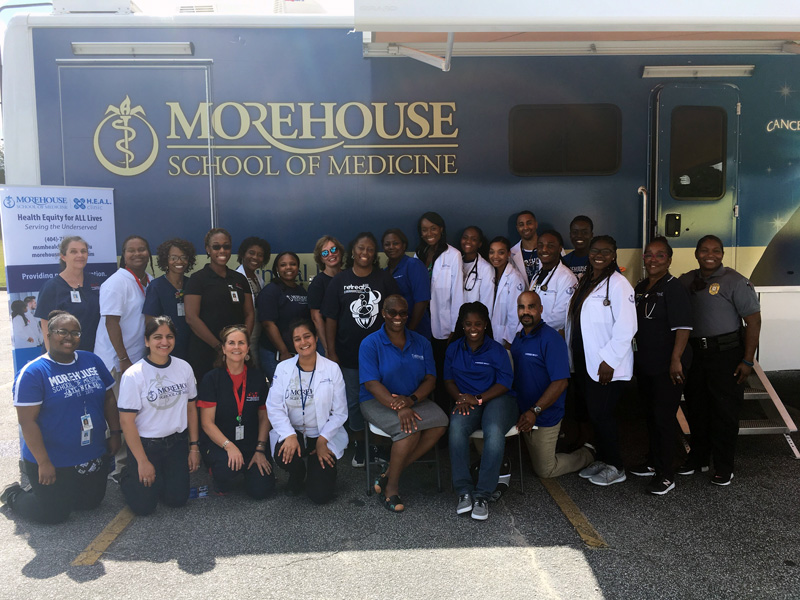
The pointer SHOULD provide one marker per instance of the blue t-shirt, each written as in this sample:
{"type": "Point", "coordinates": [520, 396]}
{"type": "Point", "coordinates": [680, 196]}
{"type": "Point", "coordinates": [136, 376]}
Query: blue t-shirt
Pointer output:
{"type": "Point", "coordinates": [415, 286]}
{"type": "Point", "coordinates": [400, 371]}
{"type": "Point", "coordinates": [162, 298]}
{"type": "Point", "coordinates": [577, 264]}
{"type": "Point", "coordinates": [56, 294]}
{"type": "Point", "coordinates": [530, 259]}
{"type": "Point", "coordinates": [475, 372]}
{"type": "Point", "coordinates": [64, 394]}
{"type": "Point", "coordinates": [539, 359]}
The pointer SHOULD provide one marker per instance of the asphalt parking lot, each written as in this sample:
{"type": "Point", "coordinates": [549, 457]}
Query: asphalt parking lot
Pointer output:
{"type": "Point", "coordinates": [699, 541]}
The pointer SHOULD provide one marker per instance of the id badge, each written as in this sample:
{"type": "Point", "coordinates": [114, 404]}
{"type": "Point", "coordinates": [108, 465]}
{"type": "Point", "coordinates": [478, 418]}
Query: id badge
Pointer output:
{"type": "Point", "coordinates": [86, 437]}
{"type": "Point", "coordinates": [239, 432]}
{"type": "Point", "coordinates": [86, 422]}
{"type": "Point", "coordinates": [234, 295]}
{"type": "Point", "coordinates": [75, 296]}
{"type": "Point", "coordinates": [181, 310]}
{"type": "Point", "coordinates": [635, 346]}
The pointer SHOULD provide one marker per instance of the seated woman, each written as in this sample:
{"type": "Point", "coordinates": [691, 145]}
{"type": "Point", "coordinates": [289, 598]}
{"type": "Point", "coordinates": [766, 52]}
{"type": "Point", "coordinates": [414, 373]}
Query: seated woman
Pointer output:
{"type": "Point", "coordinates": [478, 375]}
{"type": "Point", "coordinates": [397, 375]}
{"type": "Point", "coordinates": [159, 419]}
{"type": "Point", "coordinates": [232, 400]}
{"type": "Point", "coordinates": [308, 410]}
{"type": "Point", "coordinates": [63, 401]}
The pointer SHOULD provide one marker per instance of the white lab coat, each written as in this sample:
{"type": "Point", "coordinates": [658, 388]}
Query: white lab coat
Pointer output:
{"type": "Point", "coordinates": [505, 322]}
{"type": "Point", "coordinates": [483, 290]}
{"type": "Point", "coordinates": [447, 292]}
{"type": "Point", "coordinates": [519, 262]}
{"type": "Point", "coordinates": [608, 331]}
{"type": "Point", "coordinates": [330, 403]}
{"type": "Point", "coordinates": [555, 301]}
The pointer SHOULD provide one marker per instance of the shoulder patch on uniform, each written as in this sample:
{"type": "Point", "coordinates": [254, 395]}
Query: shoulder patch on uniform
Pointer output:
{"type": "Point", "coordinates": [631, 299]}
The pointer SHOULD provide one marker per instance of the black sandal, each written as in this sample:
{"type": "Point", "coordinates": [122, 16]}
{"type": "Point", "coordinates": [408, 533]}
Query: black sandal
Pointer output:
{"type": "Point", "coordinates": [391, 504]}
{"type": "Point", "coordinates": [380, 482]}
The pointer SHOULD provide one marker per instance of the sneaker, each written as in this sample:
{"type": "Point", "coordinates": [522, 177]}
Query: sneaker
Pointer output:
{"type": "Point", "coordinates": [688, 468]}
{"type": "Point", "coordinates": [643, 470]}
{"type": "Point", "coordinates": [358, 454]}
{"type": "Point", "coordinates": [480, 510]}
{"type": "Point", "coordinates": [608, 476]}
{"type": "Point", "coordinates": [10, 492]}
{"type": "Point", "coordinates": [379, 454]}
{"type": "Point", "coordinates": [502, 487]}
{"type": "Point", "coordinates": [592, 470]}
{"type": "Point", "coordinates": [464, 504]}
{"type": "Point", "coordinates": [660, 486]}
{"type": "Point", "coordinates": [721, 479]}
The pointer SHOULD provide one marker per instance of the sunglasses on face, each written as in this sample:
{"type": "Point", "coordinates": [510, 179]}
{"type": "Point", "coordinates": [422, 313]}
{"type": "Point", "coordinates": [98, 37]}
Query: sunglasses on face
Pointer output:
{"type": "Point", "coordinates": [64, 333]}
{"type": "Point", "coordinates": [218, 247]}
{"type": "Point", "coordinates": [392, 313]}
{"type": "Point", "coordinates": [326, 253]}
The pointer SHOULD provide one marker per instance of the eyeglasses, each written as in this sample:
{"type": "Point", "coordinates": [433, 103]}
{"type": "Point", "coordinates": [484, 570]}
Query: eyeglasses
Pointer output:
{"type": "Point", "coordinates": [392, 313]}
{"type": "Point", "coordinates": [64, 333]}
{"type": "Point", "coordinates": [603, 251]}
{"type": "Point", "coordinates": [181, 258]}
{"type": "Point", "coordinates": [333, 250]}
{"type": "Point", "coordinates": [217, 247]}
{"type": "Point", "coordinates": [657, 255]}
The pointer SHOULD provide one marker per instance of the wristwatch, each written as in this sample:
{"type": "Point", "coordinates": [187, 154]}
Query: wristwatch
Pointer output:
{"type": "Point", "coordinates": [413, 398]}
{"type": "Point", "coordinates": [479, 398]}
{"type": "Point", "coordinates": [537, 410]}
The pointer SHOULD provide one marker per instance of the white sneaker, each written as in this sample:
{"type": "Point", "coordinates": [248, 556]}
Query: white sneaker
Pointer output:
{"type": "Point", "coordinates": [592, 470]}
{"type": "Point", "coordinates": [609, 476]}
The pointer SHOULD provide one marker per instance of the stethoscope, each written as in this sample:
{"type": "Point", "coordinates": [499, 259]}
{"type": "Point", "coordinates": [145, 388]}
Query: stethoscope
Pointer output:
{"type": "Point", "coordinates": [543, 286]}
{"type": "Point", "coordinates": [607, 301]}
{"type": "Point", "coordinates": [472, 275]}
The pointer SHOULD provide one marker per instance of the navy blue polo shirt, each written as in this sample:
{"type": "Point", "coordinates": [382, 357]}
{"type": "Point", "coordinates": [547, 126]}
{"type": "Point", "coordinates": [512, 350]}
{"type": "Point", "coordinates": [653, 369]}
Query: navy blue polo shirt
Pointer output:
{"type": "Point", "coordinates": [539, 359]}
{"type": "Point", "coordinates": [400, 371]}
{"type": "Point", "coordinates": [415, 286]}
{"type": "Point", "coordinates": [162, 298]}
{"type": "Point", "coordinates": [56, 294]}
{"type": "Point", "coordinates": [475, 372]}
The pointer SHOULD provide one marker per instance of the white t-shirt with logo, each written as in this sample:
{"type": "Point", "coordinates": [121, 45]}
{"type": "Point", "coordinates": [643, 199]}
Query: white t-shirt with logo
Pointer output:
{"type": "Point", "coordinates": [121, 296]}
{"type": "Point", "coordinates": [158, 394]}
{"type": "Point", "coordinates": [304, 420]}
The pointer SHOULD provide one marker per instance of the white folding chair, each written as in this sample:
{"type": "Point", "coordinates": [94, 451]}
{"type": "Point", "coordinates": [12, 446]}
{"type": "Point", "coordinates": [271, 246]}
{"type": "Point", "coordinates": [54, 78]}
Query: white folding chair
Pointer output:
{"type": "Point", "coordinates": [478, 435]}
{"type": "Point", "coordinates": [378, 431]}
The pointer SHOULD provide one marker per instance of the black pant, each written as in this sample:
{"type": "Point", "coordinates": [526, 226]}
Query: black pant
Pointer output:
{"type": "Point", "coordinates": [320, 483]}
{"type": "Point", "coordinates": [170, 457]}
{"type": "Point", "coordinates": [713, 402]}
{"type": "Point", "coordinates": [256, 485]}
{"type": "Point", "coordinates": [660, 399]}
{"type": "Point", "coordinates": [76, 488]}
{"type": "Point", "coordinates": [440, 395]}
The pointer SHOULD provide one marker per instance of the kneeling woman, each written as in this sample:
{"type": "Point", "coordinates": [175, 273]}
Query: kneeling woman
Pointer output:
{"type": "Point", "coordinates": [397, 375]}
{"type": "Point", "coordinates": [308, 408]}
{"type": "Point", "coordinates": [159, 419]}
{"type": "Point", "coordinates": [63, 401]}
{"type": "Point", "coordinates": [478, 375]}
{"type": "Point", "coordinates": [232, 400]}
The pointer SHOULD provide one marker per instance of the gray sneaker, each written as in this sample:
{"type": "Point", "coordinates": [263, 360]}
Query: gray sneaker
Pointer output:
{"type": "Point", "coordinates": [480, 510]}
{"type": "Point", "coordinates": [608, 476]}
{"type": "Point", "coordinates": [464, 504]}
{"type": "Point", "coordinates": [592, 470]}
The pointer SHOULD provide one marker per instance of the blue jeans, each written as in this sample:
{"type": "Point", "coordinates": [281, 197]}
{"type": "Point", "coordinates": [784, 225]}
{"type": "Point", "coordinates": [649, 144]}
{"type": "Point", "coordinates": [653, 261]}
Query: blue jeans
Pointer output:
{"type": "Point", "coordinates": [495, 418]}
{"type": "Point", "coordinates": [355, 420]}
{"type": "Point", "coordinates": [170, 457]}
{"type": "Point", "coordinates": [268, 362]}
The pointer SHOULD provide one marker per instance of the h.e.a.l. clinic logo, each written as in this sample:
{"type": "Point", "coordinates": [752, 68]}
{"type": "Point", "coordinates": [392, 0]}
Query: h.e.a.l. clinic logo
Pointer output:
{"type": "Point", "coordinates": [122, 125]}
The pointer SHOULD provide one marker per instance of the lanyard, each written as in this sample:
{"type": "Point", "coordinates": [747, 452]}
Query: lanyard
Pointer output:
{"type": "Point", "coordinates": [240, 399]}
{"type": "Point", "coordinates": [304, 394]}
{"type": "Point", "coordinates": [138, 282]}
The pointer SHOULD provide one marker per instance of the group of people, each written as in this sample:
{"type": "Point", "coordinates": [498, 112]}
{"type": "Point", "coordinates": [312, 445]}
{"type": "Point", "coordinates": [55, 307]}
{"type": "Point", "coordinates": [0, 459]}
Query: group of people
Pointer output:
{"type": "Point", "coordinates": [227, 370]}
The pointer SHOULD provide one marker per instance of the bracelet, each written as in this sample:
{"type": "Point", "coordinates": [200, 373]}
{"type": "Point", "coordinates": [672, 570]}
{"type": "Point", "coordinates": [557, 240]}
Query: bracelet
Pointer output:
{"type": "Point", "coordinates": [748, 363]}
{"type": "Point", "coordinates": [116, 432]}
{"type": "Point", "coordinates": [261, 450]}
{"type": "Point", "coordinates": [260, 443]}
{"type": "Point", "coordinates": [195, 452]}
{"type": "Point", "coordinates": [225, 443]}
{"type": "Point", "coordinates": [121, 358]}
{"type": "Point", "coordinates": [194, 443]}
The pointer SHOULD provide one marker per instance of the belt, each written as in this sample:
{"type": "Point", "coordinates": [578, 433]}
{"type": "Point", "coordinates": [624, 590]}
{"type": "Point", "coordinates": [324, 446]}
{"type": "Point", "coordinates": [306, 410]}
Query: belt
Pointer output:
{"type": "Point", "coordinates": [168, 438]}
{"type": "Point", "coordinates": [717, 343]}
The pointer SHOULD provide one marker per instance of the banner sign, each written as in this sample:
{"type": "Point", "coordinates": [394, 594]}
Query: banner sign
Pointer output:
{"type": "Point", "coordinates": [34, 220]}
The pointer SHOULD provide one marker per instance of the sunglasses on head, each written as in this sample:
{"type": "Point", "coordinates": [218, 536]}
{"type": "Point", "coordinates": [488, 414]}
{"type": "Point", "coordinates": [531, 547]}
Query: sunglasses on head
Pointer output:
{"type": "Point", "coordinates": [393, 312]}
{"type": "Point", "coordinates": [333, 250]}
{"type": "Point", "coordinates": [218, 247]}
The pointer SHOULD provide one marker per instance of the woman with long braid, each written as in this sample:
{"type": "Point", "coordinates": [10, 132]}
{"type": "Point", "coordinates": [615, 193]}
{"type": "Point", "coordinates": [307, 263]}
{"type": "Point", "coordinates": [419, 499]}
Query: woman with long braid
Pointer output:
{"type": "Point", "coordinates": [601, 324]}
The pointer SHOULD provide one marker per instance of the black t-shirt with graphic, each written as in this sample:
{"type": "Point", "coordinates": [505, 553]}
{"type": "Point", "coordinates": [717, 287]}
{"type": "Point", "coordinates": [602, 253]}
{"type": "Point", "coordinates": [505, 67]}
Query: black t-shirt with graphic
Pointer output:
{"type": "Point", "coordinates": [356, 304]}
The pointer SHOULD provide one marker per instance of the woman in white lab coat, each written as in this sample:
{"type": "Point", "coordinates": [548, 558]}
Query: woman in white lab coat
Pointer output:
{"type": "Point", "coordinates": [447, 290]}
{"type": "Point", "coordinates": [601, 324]}
{"type": "Point", "coordinates": [509, 284]}
{"type": "Point", "coordinates": [478, 273]}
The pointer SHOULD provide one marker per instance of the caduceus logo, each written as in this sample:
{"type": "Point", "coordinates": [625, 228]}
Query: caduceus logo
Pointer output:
{"type": "Point", "coordinates": [126, 120]}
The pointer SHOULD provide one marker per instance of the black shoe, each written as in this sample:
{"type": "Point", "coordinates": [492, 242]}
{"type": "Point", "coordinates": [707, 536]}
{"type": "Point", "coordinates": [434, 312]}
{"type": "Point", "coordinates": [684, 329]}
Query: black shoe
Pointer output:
{"type": "Point", "coordinates": [722, 479]}
{"type": "Point", "coordinates": [660, 486]}
{"type": "Point", "coordinates": [643, 470]}
{"type": "Point", "coordinates": [10, 492]}
{"type": "Point", "coordinates": [359, 454]}
{"type": "Point", "coordinates": [688, 468]}
{"type": "Point", "coordinates": [379, 454]}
